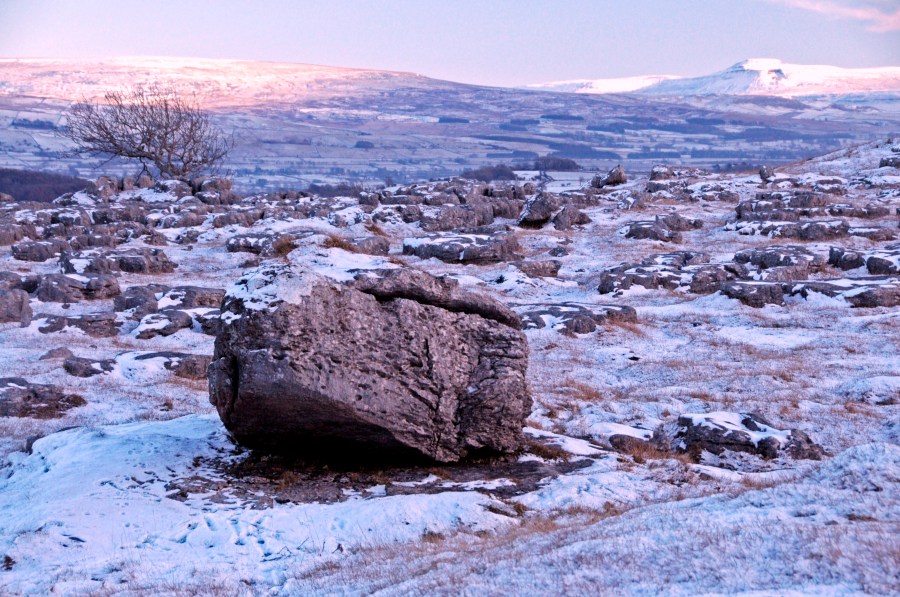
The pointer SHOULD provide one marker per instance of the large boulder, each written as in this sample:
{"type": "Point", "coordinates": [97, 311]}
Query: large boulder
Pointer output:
{"type": "Point", "coordinates": [392, 361]}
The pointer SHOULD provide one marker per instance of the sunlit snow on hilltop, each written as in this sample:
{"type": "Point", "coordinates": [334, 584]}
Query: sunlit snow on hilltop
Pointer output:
{"type": "Point", "coordinates": [617, 85]}
{"type": "Point", "coordinates": [215, 81]}
{"type": "Point", "coordinates": [756, 76]}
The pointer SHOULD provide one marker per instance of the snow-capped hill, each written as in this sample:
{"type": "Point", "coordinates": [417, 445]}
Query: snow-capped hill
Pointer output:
{"type": "Point", "coordinates": [216, 82]}
{"type": "Point", "coordinates": [756, 76]}
{"type": "Point", "coordinates": [769, 76]}
{"type": "Point", "coordinates": [618, 85]}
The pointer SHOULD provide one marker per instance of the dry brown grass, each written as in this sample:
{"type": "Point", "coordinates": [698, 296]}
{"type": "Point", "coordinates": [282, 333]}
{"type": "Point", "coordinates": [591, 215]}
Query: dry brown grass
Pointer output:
{"type": "Point", "coordinates": [333, 241]}
{"type": "Point", "coordinates": [283, 245]}
{"type": "Point", "coordinates": [546, 450]}
{"type": "Point", "coordinates": [375, 229]}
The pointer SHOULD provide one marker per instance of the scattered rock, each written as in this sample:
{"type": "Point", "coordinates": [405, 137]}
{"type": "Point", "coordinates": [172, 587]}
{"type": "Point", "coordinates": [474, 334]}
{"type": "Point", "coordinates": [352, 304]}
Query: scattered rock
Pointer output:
{"type": "Point", "coordinates": [720, 431]}
{"type": "Point", "coordinates": [15, 307]}
{"type": "Point", "coordinates": [163, 323]}
{"type": "Point", "coordinates": [61, 288]}
{"type": "Point", "coordinates": [754, 294]}
{"type": "Point", "coordinates": [539, 269]}
{"type": "Point", "coordinates": [96, 325]}
{"type": "Point", "coordinates": [873, 291]}
{"type": "Point", "coordinates": [573, 318]}
{"type": "Point", "coordinates": [21, 398]}
{"type": "Point", "coordinates": [82, 367]}
{"type": "Point", "coordinates": [465, 248]}
{"type": "Point", "coordinates": [39, 250]}
{"type": "Point", "coordinates": [614, 177]}
{"type": "Point", "coordinates": [56, 353]}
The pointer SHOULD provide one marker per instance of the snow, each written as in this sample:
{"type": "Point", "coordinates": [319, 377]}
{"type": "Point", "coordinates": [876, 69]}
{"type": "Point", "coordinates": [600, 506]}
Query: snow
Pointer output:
{"type": "Point", "coordinates": [768, 76]}
{"type": "Point", "coordinates": [755, 76]}
{"type": "Point", "coordinates": [97, 497]}
{"type": "Point", "coordinates": [616, 85]}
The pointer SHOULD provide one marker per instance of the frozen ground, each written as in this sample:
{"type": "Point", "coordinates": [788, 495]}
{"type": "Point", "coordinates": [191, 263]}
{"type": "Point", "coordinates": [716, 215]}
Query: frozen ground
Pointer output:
{"type": "Point", "coordinates": [140, 491]}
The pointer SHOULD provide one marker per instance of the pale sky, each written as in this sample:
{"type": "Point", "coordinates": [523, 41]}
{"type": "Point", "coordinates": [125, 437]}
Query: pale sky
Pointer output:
{"type": "Point", "coordinates": [491, 42]}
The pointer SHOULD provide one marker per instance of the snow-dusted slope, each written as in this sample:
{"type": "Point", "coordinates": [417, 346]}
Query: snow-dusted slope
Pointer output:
{"type": "Point", "coordinates": [765, 76]}
{"type": "Point", "coordinates": [757, 76]}
{"type": "Point", "coordinates": [216, 82]}
{"type": "Point", "coordinates": [619, 85]}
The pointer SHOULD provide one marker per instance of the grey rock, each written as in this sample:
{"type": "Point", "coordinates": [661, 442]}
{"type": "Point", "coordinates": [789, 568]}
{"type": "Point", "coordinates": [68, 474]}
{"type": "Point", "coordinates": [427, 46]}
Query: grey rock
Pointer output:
{"type": "Point", "coordinates": [570, 216]}
{"type": "Point", "coordinates": [614, 177]}
{"type": "Point", "coordinates": [82, 367]}
{"type": "Point", "coordinates": [60, 288]}
{"type": "Point", "coordinates": [539, 269]}
{"type": "Point", "coordinates": [163, 323]}
{"type": "Point", "coordinates": [338, 368]}
{"type": "Point", "coordinates": [96, 325]}
{"type": "Point", "coordinates": [679, 223]}
{"type": "Point", "coordinates": [56, 353]}
{"type": "Point", "coordinates": [644, 230]}
{"type": "Point", "coordinates": [574, 318]}
{"type": "Point", "coordinates": [142, 299]}
{"type": "Point", "coordinates": [868, 292]}
{"type": "Point", "coordinates": [15, 307]}
{"type": "Point", "coordinates": [465, 248]}
{"type": "Point", "coordinates": [754, 294]}
{"type": "Point", "coordinates": [21, 398]}
{"type": "Point", "coordinates": [39, 250]}
{"type": "Point", "coordinates": [753, 435]}
{"type": "Point", "coordinates": [844, 259]}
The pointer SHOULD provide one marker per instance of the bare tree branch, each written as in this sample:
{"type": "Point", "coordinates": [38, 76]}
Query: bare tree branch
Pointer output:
{"type": "Point", "coordinates": [153, 126]}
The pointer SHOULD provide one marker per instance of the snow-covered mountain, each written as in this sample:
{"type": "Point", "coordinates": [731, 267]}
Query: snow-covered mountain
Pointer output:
{"type": "Point", "coordinates": [618, 85]}
{"type": "Point", "coordinates": [757, 76]}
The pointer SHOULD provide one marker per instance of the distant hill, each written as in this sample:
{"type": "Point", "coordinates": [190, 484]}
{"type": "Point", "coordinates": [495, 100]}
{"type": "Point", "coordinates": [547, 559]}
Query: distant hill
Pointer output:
{"type": "Point", "coordinates": [757, 76]}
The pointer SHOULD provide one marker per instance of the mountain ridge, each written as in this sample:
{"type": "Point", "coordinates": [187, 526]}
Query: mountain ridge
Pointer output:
{"type": "Point", "coordinates": [754, 76]}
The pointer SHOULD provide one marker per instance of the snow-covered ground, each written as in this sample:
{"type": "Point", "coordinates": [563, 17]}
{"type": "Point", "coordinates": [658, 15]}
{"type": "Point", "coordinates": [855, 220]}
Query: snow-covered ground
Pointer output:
{"type": "Point", "coordinates": [140, 490]}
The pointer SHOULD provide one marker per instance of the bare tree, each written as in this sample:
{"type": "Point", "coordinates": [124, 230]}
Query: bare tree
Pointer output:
{"type": "Point", "coordinates": [155, 126]}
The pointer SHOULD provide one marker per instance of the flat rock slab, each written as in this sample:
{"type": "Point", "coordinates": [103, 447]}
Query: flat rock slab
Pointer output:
{"type": "Point", "coordinates": [464, 248]}
{"type": "Point", "coordinates": [741, 432]}
{"type": "Point", "coordinates": [96, 325]}
{"type": "Point", "coordinates": [573, 318]}
{"type": "Point", "coordinates": [811, 231]}
{"type": "Point", "coordinates": [873, 291]}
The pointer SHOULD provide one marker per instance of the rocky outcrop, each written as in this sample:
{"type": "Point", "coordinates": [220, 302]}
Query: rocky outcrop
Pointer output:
{"type": "Point", "coordinates": [396, 360]}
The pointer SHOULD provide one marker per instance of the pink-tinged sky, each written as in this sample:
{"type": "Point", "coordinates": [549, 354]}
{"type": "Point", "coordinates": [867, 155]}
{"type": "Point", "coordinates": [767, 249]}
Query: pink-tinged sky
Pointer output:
{"type": "Point", "coordinates": [495, 42]}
